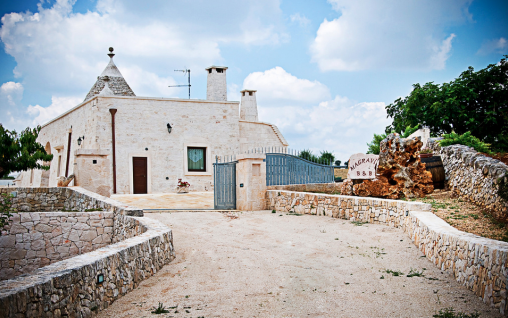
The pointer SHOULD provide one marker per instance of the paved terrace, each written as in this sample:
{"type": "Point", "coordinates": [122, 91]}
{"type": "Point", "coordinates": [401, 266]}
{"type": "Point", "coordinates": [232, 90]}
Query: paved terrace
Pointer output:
{"type": "Point", "coordinates": [170, 201]}
{"type": "Point", "coordinates": [261, 264]}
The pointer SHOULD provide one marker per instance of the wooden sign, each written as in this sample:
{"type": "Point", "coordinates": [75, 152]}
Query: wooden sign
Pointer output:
{"type": "Point", "coordinates": [362, 166]}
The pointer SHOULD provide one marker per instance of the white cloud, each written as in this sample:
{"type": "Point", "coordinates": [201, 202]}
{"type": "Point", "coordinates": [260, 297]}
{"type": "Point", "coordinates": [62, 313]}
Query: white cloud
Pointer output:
{"type": "Point", "coordinates": [63, 52]}
{"type": "Point", "coordinates": [309, 118]}
{"type": "Point", "coordinates": [300, 19]}
{"type": "Point", "coordinates": [392, 34]}
{"type": "Point", "coordinates": [276, 85]}
{"type": "Point", "coordinates": [499, 46]}
{"type": "Point", "coordinates": [58, 106]}
{"type": "Point", "coordinates": [12, 92]}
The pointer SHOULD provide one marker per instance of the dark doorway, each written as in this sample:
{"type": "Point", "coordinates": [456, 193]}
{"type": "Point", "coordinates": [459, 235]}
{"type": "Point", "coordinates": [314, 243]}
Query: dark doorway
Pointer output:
{"type": "Point", "coordinates": [139, 170]}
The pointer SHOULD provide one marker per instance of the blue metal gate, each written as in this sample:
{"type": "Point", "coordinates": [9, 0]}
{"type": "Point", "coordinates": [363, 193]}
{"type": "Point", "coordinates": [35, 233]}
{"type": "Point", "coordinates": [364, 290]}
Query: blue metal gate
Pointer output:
{"type": "Point", "coordinates": [224, 179]}
{"type": "Point", "coordinates": [284, 169]}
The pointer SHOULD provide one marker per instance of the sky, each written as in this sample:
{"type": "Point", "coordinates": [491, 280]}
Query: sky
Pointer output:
{"type": "Point", "coordinates": [323, 70]}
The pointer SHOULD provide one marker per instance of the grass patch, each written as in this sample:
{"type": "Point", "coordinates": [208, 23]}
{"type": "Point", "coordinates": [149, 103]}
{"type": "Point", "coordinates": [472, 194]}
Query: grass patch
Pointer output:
{"type": "Point", "coordinates": [394, 273]}
{"type": "Point", "coordinates": [415, 273]}
{"type": "Point", "coordinates": [450, 313]}
{"type": "Point", "coordinates": [359, 223]}
{"type": "Point", "coordinates": [160, 310]}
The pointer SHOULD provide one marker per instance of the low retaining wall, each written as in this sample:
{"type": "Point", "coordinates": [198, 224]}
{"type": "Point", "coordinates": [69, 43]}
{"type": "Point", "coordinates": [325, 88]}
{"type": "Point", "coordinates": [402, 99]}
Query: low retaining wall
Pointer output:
{"type": "Point", "coordinates": [479, 263]}
{"type": "Point", "coordinates": [473, 176]}
{"type": "Point", "coordinates": [68, 199]}
{"type": "Point", "coordinates": [70, 287]}
{"type": "Point", "coordinates": [37, 239]}
{"type": "Point", "coordinates": [329, 188]}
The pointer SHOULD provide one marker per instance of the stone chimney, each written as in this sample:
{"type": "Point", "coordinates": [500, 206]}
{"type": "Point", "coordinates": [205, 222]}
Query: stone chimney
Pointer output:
{"type": "Point", "coordinates": [248, 106]}
{"type": "Point", "coordinates": [216, 86]}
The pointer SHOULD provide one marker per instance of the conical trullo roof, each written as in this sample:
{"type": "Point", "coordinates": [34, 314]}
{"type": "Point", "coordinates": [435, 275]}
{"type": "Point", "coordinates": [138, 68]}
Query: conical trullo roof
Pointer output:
{"type": "Point", "coordinates": [116, 82]}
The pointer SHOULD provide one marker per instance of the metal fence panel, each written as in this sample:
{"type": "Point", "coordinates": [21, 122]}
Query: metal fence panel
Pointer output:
{"type": "Point", "coordinates": [284, 169]}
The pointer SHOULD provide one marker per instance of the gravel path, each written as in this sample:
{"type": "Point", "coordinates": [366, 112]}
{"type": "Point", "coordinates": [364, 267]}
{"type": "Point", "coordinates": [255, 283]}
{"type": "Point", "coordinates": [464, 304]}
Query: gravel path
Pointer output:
{"type": "Point", "coordinates": [260, 264]}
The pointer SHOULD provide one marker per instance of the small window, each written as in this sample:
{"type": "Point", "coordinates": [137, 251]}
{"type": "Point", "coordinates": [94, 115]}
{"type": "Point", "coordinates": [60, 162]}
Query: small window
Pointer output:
{"type": "Point", "coordinates": [59, 166]}
{"type": "Point", "coordinates": [196, 159]}
{"type": "Point", "coordinates": [219, 70]}
{"type": "Point", "coordinates": [94, 161]}
{"type": "Point", "coordinates": [243, 93]}
{"type": "Point", "coordinates": [210, 71]}
{"type": "Point", "coordinates": [250, 93]}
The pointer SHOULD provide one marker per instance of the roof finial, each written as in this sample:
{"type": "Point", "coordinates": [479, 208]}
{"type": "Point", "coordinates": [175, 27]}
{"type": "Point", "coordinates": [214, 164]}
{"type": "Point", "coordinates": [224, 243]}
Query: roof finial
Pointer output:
{"type": "Point", "coordinates": [111, 54]}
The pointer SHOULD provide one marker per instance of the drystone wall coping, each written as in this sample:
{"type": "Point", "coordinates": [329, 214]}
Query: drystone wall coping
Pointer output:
{"type": "Point", "coordinates": [70, 287]}
{"type": "Point", "coordinates": [473, 176]}
{"type": "Point", "coordinates": [480, 264]}
{"type": "Point", "coordinates": [51, 199]}
{"type": "Point", "coordinates": [309, 187]}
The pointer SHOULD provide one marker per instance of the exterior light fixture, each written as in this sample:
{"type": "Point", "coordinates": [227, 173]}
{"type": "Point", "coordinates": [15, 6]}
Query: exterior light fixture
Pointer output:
{"type": "Point", "coordinates": [169, 128]}
{"type": "Point", "coordinates": [80, 139]}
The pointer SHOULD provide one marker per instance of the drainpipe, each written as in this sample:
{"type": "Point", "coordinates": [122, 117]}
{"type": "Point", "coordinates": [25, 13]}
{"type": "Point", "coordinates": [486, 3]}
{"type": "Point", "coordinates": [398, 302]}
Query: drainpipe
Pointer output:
{"type": "Point", "coordinates": [113, 112]}
{"type": "Point", "coordinates": [68, 154]}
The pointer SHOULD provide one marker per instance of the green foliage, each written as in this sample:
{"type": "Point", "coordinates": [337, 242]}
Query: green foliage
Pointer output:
{"type": "Point", "coordinates": [160, 310]}
{"type": "Point", "coordinates": [374, 144]}
{"type": "Point", "coordinates": [450, 313]}
{"type": "Point", "coordinates": [475, 102]}
{"type": "Point", "coordinates": [394, 273]}
{"type": "Point", "coordinates": [325, 157]}
{"type": "Point", "coordinates": [5, 209]}
{"type": "Point", "coordinates": [337, 162]}
{"type": "Point", "coordinates": [465, 139]}
{"type": "Point", "coordinates": [307, 155]}
{"type": "Point", "coordinates": [21, 152]}
{"type": "Point", "coordinates": [409, 130]}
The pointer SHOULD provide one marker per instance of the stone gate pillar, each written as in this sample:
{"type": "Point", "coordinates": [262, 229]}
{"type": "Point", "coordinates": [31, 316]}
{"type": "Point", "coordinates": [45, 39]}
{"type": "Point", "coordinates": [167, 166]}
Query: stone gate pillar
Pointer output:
{"type": "Point", "coordinates": [251, 182]}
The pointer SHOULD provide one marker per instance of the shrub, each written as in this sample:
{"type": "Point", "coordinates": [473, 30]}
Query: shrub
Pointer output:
{"type": "Point", "coordinates": [465, 139]}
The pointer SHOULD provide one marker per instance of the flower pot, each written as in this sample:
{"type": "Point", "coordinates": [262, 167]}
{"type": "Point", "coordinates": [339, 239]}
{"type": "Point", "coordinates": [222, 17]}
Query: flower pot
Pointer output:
{"type": "Point", "coordinates": [182, 189]}
{"type": "Point", "coordinates": [426, 155]}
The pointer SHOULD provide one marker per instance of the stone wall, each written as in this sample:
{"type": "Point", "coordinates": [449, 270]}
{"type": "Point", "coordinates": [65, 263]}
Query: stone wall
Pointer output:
{"type": "Point", "coordinates": [70, 199]}
{"type": "Point", "coordinates": [330, 188]}
{"type": "Point", "coordinates": [473, 176]}
{"type": "Point", "coordinates": [478, 263]}
{"type": "Point", "coordinates": [70, 287]}
{"type": "Point", "coordinates": [36, 239]}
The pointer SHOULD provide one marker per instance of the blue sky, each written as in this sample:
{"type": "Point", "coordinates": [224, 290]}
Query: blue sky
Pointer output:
{"type": "Point", "coordinates": [324, 70]}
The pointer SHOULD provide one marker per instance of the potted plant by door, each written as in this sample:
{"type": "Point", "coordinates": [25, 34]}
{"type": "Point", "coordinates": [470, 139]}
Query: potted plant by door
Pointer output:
{"type": "Point", "coordinates": [182, 186]}
{"type": "Point", "coordinates": [426, 153]}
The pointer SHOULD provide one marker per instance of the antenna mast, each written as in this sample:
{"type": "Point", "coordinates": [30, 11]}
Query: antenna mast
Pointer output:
{"type": "Point", "coordinates": [188, 85]}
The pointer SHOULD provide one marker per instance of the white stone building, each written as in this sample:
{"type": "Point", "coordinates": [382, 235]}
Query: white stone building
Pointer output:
{"type": "Point", "coordinates": [115, 139]}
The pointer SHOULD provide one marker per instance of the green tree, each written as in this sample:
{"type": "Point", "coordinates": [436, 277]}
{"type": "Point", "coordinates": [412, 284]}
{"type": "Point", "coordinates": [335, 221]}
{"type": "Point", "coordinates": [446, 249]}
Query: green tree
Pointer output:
{"type": "Point", "coordinates": [21, 152]}
{"type": "Point", "coordinates": [307, 155]}
{"type": "Point", "coordinates": [476, 101]}
{"type": "Point", "coordinates": [5, 210]}
{"type": "Point", "coordinates": [326, 157]}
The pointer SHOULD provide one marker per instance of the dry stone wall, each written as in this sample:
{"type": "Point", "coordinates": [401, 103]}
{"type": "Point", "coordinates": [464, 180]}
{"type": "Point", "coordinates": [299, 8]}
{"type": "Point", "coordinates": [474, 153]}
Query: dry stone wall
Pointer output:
{"type": "Point", "coordinates": [35, 239]}
{"type": "Point", "coordinates": [70, 288]}
{"type": "Point", "coordinates": [330, 188]}
{"type": "Point", "coordinates": [478, 263]}
{"type": "Point", "coordinates": [473, 176]}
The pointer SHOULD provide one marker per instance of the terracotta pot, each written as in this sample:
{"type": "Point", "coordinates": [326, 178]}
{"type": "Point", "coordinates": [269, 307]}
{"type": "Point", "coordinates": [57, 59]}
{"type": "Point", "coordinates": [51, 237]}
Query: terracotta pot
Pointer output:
{"type": "Point", "coordinates": [426, 155]}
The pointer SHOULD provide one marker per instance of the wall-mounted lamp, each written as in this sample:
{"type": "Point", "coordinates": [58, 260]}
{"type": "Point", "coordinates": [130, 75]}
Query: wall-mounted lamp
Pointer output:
{"type": "Point", "coordinates": [100, 279]}
{"type": "Point", "coordinates": [169, 128]}
{"type": "Point", "coordinates": [80, 139]}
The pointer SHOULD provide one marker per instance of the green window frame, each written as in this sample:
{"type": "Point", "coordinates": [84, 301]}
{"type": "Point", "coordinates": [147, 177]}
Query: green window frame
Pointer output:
{"type": "Point", "coordinates": [196, 159]}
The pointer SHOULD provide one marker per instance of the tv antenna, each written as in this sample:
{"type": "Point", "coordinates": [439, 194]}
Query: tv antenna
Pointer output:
{"type": "Point", "coordinates": [188, 85]}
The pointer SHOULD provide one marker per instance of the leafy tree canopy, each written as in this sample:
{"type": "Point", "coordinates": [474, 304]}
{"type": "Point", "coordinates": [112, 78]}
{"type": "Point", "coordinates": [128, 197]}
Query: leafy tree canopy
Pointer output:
{"type": "Point", "coordinates": [465, 139]}
{"type": "Point", "coordinates": [325, 157]}
{"type": "Point", "coordinates": [475, 102]}
{"type": "Point", "coordinates": [21, 152]}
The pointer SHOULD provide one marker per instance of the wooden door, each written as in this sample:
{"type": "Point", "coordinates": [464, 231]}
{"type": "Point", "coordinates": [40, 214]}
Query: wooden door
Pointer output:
{"type": "Point", "coordinates": [139, 170]}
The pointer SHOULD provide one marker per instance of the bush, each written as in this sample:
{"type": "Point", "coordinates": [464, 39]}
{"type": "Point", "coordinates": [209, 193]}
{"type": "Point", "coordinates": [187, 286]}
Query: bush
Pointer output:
{"type": "Point", "coordinates": [465, 139]}
{"type": "Point", "coordinates": [375, 143]}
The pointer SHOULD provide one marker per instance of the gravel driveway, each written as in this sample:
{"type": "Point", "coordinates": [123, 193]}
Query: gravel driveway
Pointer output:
{"type": "Point", "coordinates": [261, 264]}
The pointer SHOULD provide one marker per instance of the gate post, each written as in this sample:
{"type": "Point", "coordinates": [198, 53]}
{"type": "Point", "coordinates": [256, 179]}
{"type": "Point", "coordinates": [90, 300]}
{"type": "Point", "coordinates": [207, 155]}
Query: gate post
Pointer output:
{"type": "Point", "coordinates": [251, 182]}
